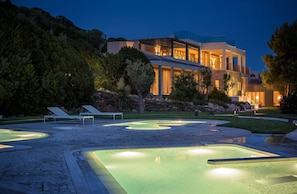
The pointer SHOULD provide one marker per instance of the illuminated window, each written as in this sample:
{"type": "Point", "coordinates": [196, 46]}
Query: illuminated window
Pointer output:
{"type": "Point", "coordinates": [157, 49]}
{"type": "Point", "coordinates": [217, 84]}
{"type": "Point", "coordinates": [205, 59]}
{"type": "Point", "coordinates": [154, 86]}
{"type": "Point", "coordinates": [166, 81]}
{"type": "Point", "coordinates": [214, 62]}
{"type": "Point", "coordinates": [179, 51]}
{"type": "Point", "coordinates": [193, 54]}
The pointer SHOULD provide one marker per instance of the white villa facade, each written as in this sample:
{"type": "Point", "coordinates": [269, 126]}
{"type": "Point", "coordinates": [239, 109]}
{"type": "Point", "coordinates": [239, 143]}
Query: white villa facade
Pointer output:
{"type": "Point", "coordinates": [190, 53]}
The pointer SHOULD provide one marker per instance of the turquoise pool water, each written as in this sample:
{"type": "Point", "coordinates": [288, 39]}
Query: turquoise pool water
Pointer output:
{"type": "Point", "coordinates": [154, 124]}
{"type": "Point", "coordinates": [186, 170]}
{"type": "Point", "coordinates": [7, 135]}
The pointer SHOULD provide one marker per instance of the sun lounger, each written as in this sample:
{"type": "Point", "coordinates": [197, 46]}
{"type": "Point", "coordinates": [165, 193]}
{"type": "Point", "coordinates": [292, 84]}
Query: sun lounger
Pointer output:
{"type": "Point", "coordinates": [95, 112]}
{"type": "Point", "coordinates": [60, 114]}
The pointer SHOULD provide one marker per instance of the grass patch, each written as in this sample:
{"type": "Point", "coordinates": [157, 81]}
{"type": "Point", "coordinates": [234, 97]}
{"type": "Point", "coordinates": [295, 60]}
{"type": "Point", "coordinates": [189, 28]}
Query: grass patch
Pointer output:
{"type": "Point", "coordinates": [253, 125]}
{"type": "Point", "coordinates": [20, 119]}
{"type": "Point", "coordinates": [162, 115]}
{"type": "Point", "coordinates": [260, 125]}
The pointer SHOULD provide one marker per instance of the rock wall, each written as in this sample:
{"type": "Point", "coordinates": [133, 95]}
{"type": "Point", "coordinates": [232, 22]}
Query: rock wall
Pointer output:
{"type": "Point", "coordinates": [111, 102]}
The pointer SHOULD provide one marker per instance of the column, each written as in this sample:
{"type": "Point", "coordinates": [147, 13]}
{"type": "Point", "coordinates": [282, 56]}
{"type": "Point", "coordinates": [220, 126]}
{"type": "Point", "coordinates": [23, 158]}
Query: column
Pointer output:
{"type": "Point", "coordinates": [239, 63]}
{"type": "Point", "coordinates": [160, 86]}
{"type": "Point", "coordinates": [199, 55]}
{"type": "Point", "coordinates": [172, 77]}
{"type": "Point", "coordinates": [244, 63]}
{"type": "Point", "coordinates": [209, 60]}
{"type": "Point", "coordinates": [172, 47]}
{"type": "Point", "coordinates": [187, 52]}
{"type": "Point", "coordinates": [230, 65]}
{"type": "Point", "coordinates": [224, 59]}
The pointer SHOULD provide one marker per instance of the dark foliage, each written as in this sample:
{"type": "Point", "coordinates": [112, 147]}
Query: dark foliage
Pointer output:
{"type": "Point", "coordinates": [288, 104]}
{"type": "Point", "coordinates": [281, 68]}
{"type": "Point", "coordinates": [217, 95]}
{"type": "Point", "coordinates": [113, 68]}
{"type": "Point", "coordinates": [44, 61]}
{"type": "Point", "coordinates": [185, 89]}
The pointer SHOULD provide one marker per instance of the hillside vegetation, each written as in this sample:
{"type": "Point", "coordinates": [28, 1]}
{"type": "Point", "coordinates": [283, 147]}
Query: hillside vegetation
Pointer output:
{"type": "Point", "coordinates": [45, 61]}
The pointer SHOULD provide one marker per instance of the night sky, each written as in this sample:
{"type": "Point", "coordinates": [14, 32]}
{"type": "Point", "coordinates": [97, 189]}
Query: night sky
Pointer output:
{"type": "Point", "coordinates": [249, 23]}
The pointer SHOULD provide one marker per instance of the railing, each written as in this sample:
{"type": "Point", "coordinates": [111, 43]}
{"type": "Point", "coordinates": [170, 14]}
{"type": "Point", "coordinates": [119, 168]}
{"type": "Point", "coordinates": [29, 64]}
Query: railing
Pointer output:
{"type": "Point", "coordinates": [245, 70]}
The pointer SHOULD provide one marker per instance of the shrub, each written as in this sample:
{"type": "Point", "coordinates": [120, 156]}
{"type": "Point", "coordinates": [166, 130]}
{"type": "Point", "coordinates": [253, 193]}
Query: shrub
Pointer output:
{"type": "Point", "coordinates": [289, 104]}
{"type": "Point", "coordinates": [185, 88]}
{"type": "Point", "coordinates": [217, 95]}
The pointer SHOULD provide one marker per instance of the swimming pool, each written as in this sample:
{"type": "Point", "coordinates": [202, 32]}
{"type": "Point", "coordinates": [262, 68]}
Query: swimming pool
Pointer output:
{"type": "Point", "coordinates": [153, 124]}
{"type": "Point", "coordinates": [8, 135]}
{"type": "Point", "coordinates": [187, 170]}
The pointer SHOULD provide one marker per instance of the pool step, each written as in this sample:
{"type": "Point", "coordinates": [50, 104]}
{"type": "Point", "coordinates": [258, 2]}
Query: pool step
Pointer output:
{"type": "Point", "coordinates": [250, 160]}
{"type": "Point", "coordinates": [277, 180]}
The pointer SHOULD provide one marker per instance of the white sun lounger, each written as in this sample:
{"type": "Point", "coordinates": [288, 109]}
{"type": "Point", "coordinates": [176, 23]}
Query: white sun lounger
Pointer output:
{"type": "Point", "coordinates": [60, 114]}
{"type": "Point", "coordinates": [95, 112]}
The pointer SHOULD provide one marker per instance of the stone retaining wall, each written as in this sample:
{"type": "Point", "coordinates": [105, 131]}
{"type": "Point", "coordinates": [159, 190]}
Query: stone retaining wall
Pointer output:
{"type": "Point", "coordinates": [109, 101]}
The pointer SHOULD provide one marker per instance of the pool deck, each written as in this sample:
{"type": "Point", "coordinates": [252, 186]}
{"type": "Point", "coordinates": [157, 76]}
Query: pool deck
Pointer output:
{"type": "Point", "coordinates": [55, 164]}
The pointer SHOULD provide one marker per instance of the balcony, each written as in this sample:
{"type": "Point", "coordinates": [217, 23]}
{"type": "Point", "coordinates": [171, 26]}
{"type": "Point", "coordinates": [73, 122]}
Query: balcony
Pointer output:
{"type": "Point", "coordinates": [236, 68]}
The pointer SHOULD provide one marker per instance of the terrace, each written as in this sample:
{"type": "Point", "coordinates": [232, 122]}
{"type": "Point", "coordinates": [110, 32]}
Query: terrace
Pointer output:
{"type": "Point", "coordinates": [55, 164]}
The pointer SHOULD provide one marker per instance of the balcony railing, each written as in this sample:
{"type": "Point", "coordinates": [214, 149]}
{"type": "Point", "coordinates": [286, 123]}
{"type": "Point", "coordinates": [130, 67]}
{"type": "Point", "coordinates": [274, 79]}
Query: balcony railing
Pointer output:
{"type": "Point", "coordinates": [236, 68]}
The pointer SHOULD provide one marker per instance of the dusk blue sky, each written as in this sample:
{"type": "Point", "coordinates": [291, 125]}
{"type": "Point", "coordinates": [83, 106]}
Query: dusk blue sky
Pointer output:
{"type": "Point", "coordinates": [249, 23]}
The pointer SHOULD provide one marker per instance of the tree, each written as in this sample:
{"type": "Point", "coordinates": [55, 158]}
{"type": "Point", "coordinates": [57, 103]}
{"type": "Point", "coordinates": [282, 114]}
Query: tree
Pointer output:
{"type": "Point", "coordinates": [38, 68]}
{"type": "Point", "coordinates": [132, 54]}
{"type": "Point", "coordinates": [142, 76]}
{"type": "Point", "coordinates": [206, 81]}
{"type": "Point", "coordinates": [218, 96]}
{"type": "Point", "coordinates": [109, 72]}
{"type": "Point", "coordinates": [18, 82]}
{"type": "Point", "coordinates": [228, 84]}
{"type": "Point", "coordinates": [185, 88]}
{"type": "Point", "coordinates": [282, 66]}
{"type": "Point", "coordinates": [113, 69]}
{"type": "Point", "coordinates": [123, 91]}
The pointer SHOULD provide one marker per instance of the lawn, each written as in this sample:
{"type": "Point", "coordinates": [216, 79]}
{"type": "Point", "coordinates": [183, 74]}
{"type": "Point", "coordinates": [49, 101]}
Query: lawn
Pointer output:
{"type": "Point", "coordinates": [260, 125]}
{"type": "Point", "coordinates": [251, 124]}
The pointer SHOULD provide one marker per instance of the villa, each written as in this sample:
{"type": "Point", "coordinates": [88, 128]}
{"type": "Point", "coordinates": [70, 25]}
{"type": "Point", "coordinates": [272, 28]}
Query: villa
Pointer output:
{"type": "Point", "coordinates": [187, 52]}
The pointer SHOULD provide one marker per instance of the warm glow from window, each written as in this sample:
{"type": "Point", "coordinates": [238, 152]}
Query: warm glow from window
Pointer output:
{"type": "Point", "coordinates": [179, 51]}
{"type": "Point", "coordinates": [166, 73]}
{"type": "Point", "coordinates": [193, 54]}
{"type": "Point", "coordinates": [157, 49]}
{"type": "Point", "coordinates": [213, 62]}
{"type": "Point", "coordinates": [217, 84]}
{"type": "Point", "coordinates": [179, 54]}
{"type": "Point", "coordinates": [154, 86]}
{"type": "Point", "coordinates": [129, 44]}
{"type": "Point", "coordinates": [239, 86]}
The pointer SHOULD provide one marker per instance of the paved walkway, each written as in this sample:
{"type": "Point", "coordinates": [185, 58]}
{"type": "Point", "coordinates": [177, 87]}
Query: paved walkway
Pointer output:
{"type": "Point", "coordinates": [55, 164]}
